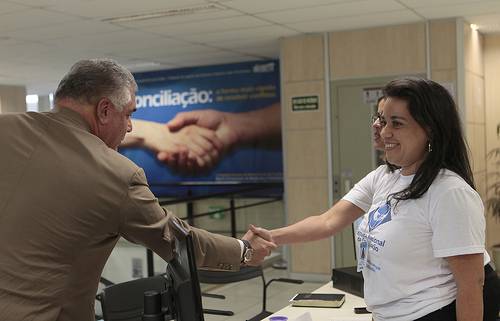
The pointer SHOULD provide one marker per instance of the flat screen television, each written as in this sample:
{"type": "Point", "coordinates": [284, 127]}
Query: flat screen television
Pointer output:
{"type": "Point", "coordinates": [185, 293]}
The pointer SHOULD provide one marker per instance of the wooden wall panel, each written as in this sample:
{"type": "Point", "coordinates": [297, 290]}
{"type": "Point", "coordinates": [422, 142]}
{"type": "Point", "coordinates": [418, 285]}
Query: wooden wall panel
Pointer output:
{"type": "Point", "coordinates": [310, 119]}
{"type": "Point", "coordinates": [391, 50]}
{"type": "Point", "coordinates": [492, 112]}
{"type": "Point", "coordinates": [302, 58]}
{"type": "Point", "coordinates": [473, 51]}
{"type": "Point", "coordinates": [306, 197]}
{"type": "Point", "coordinates": [306, 156]}
{"type": "Point", "coordinates": [443, 44]}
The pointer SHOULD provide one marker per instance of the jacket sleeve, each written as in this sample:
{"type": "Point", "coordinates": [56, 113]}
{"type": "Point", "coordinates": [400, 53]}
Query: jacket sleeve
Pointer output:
{"type": "Point", "coordinates": [145, 222]}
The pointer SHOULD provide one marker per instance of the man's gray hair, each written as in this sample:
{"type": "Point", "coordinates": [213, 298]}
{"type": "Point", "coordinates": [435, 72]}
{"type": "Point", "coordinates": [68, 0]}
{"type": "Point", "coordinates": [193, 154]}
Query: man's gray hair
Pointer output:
{"type": "Point", "coordinates": [90, 80]}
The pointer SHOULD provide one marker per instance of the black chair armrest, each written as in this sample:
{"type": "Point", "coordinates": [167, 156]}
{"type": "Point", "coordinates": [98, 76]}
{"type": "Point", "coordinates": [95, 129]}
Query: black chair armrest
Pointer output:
{"type": "Point", "coordinates": [218, 312]}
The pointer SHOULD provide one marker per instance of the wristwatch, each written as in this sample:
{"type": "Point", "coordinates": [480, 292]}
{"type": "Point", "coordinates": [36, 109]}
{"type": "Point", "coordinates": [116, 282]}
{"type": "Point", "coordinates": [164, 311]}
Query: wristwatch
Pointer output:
{"type": "Point", "coordinates": [247, 252]}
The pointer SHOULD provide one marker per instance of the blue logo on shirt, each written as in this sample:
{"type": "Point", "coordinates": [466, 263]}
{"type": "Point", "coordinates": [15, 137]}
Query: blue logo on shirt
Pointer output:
{"type": "Point", "coordinates": [379, 216]}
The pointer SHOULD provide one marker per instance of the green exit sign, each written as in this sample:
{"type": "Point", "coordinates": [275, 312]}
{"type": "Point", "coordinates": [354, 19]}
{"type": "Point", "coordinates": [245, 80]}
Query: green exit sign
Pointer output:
{"type": "Point", "coordinates": [305, 103]}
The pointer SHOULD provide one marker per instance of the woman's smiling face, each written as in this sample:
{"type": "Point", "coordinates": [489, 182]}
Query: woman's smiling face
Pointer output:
{"type": "Point", "coordinates": [405, 141]}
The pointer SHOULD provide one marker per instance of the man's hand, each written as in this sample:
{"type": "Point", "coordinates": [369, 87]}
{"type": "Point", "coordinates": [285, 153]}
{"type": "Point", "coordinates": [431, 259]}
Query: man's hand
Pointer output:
{"type": "Point", "coordinates": [261, 247]}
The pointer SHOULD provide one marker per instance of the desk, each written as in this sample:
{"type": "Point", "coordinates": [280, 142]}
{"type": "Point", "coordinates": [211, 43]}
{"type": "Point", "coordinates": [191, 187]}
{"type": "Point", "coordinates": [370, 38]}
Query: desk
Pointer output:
{"type": "Point", "coordinates": [344, 313]}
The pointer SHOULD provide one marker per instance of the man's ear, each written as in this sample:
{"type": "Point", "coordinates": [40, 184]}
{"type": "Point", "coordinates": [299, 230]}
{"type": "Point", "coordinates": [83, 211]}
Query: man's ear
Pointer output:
{"type": "Point", "coordinates": [103, 110]}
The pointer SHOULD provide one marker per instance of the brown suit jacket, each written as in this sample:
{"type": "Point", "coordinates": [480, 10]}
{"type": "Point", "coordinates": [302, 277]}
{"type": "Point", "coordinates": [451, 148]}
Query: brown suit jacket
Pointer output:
{"type": "Point", "coordinates": [65, 199]}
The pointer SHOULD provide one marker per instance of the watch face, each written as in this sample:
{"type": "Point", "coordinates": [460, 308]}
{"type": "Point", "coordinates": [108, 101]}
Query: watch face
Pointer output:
{"type": "Point", "coordinates": [248, 255]}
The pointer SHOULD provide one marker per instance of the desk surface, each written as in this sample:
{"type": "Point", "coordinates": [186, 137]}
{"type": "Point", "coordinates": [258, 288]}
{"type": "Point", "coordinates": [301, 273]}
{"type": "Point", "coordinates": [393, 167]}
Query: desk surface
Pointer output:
{"type": "Point", "coordinates": [344, 313]}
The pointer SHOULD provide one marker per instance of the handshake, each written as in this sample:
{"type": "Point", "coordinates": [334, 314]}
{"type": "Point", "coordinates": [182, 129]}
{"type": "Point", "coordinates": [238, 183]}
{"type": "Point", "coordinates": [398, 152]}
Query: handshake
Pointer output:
{"type": "Point", "coordinates": [195, 141]}
{"type": "Point", "coordinates": [189, 143]}
{"type": "Point", "coordinates": [261, 242]}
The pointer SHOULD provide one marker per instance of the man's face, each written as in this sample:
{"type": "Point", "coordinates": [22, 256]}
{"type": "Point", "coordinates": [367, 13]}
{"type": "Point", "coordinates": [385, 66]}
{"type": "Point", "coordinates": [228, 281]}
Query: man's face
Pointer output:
{"type": "Point", "coordinates": [119, 124]}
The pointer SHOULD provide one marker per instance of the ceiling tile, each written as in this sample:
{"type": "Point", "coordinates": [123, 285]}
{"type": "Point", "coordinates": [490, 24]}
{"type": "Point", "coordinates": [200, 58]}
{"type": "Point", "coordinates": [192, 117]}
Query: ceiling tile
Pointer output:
{"type": "Point", "coordinates": [163, 48]}
{"type": "Point", "coordinates": [250, 33]}
{"type": "Point", "coordinates": [31, 18]}
{"type": "Point", "coordinates": [458, 10]}
{"type": "Point", "coordinates": [23, 50]}
{"type": "Point", "coordinates": [246, 43]}
{"type": "Point", "coordinates": [71, 29]}
{"type": "Point", "coordinates": [45, 3]}
{"type": "Point", "coordinates": [330, 11]}
{"type": "Point", "coordinates": [113, 8]}
{"type": "Point", "coordinates": [270, 52]}
{"type": "Point", "coordinates": [167, 54]}
{"type": "Point", "coordinates": [436, 3]}
{"type": "Point", "coordinates": [216, 61]}
{"type": "Point", "coordinates": [261, 6]}
{"type": "Point", "coordinates": [357, 22]}
{"type": "Point", "coordinates": [208, 26]}
{"type": "Point", "coordinates": [8, 7]}
{"type": "Point", "coordinates": [116, 40]}
{"type": "Point", "coordinates": [169, 20]}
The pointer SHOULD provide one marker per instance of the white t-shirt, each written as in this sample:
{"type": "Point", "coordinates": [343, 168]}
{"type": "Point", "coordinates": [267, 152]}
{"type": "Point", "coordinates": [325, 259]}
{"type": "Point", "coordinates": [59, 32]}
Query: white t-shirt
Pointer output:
{"type": "Point", "coordinates": [402, 249]}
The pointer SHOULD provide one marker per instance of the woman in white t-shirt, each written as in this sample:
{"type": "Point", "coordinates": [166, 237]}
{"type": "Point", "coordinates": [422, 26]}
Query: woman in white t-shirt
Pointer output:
{"type": "Point", "coordinates": [422, 238]}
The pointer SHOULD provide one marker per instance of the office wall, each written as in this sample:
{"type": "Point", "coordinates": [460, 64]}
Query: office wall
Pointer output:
{"type": "Point", "coordinates": [375, 52]}
{"type": "Point", "coordinates": [443, 51]}
{"type": "Point", "coordinates": [475, 127]}
{"type": "Point", "coordinates": [305, 147]}
{"type": "Point", "coordinates": [492, 122]}
{"type": "Point", "coordinates": [12, 99]}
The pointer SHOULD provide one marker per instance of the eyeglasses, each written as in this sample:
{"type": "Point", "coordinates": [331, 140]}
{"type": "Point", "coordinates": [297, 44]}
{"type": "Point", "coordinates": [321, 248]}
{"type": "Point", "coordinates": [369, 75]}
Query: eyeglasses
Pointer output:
{"type": "Point", "coordinates": [376, 120]}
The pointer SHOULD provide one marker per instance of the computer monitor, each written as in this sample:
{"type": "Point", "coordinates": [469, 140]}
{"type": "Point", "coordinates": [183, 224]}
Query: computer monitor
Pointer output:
{"type": "Point", "coordinates": [185, 293]}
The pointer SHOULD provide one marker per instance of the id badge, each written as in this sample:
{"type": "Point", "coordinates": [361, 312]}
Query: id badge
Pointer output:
{"type": "Point", "coordinates": [362, 255]}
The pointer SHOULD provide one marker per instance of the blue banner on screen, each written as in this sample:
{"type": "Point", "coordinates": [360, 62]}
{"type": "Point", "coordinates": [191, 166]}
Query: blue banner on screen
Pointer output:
{"type": "Point", "coordinates": [249, 89]}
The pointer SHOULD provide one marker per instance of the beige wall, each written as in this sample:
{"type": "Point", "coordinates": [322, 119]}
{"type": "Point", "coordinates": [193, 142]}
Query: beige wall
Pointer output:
{"type": "Point", "coordinates": [12, 99]}
{"type": "Point", "coordinates": [305, 147]}
{"type": "Point", "coordinates": [375, 52]}
{"type": "Point", "coordinates": [474, 105]}
{"type": "Point", "coordinates": [443, 51]}
{"type": "Point", "coordinates": [492, 116]}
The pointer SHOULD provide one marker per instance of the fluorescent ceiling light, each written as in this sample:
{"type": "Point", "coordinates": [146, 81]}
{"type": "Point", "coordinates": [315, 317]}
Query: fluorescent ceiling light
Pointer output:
{"type": "Point", "coordinates": [166, 13]}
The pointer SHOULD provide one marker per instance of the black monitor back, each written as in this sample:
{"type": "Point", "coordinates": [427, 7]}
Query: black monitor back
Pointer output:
{"type": "Point", "coordinates": [186, 294]}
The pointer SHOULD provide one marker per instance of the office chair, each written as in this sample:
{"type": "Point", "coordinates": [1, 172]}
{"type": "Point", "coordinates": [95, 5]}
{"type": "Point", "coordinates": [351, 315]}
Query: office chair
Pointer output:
{"type": "Point", "coordinates": [245, 273]}
{"type": "Point", "coordinates": [125, 301]}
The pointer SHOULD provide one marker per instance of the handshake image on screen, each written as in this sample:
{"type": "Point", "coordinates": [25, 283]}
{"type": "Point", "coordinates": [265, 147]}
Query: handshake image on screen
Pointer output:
{"type": "Point", "coordinates": [195, 141]}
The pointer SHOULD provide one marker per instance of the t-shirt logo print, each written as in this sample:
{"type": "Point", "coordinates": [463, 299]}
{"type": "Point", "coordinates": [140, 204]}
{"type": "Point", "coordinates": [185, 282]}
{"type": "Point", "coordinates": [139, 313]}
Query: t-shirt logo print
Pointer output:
{"type": "Point", "coordinates": [379, 216]}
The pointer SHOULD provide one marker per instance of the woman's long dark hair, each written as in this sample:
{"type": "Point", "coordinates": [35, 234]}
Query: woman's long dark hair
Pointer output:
{"type": "Point", "coordinates": [434, 109]}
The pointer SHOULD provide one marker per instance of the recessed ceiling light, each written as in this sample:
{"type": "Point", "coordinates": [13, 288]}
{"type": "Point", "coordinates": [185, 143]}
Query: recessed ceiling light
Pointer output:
{"type": "Point", "coordinates": [166, 13]}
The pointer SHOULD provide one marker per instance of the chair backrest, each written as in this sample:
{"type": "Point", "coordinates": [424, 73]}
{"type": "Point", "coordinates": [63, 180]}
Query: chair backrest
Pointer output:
{"type": "Point", "coordinates": [125, 301]}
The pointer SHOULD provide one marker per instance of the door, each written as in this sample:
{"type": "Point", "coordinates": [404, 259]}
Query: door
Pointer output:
{"type": "Point", "coordinates": [353, 105]}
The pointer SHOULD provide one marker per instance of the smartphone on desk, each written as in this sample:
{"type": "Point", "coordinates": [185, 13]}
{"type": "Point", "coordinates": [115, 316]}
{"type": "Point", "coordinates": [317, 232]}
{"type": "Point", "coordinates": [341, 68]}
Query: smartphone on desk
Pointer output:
{"type": "Point", "coordinates": [361, 310]}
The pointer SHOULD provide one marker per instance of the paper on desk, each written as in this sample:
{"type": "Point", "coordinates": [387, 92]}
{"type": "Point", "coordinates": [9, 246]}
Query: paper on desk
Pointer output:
{"type": "Point", "coordinates": [303, 317]}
